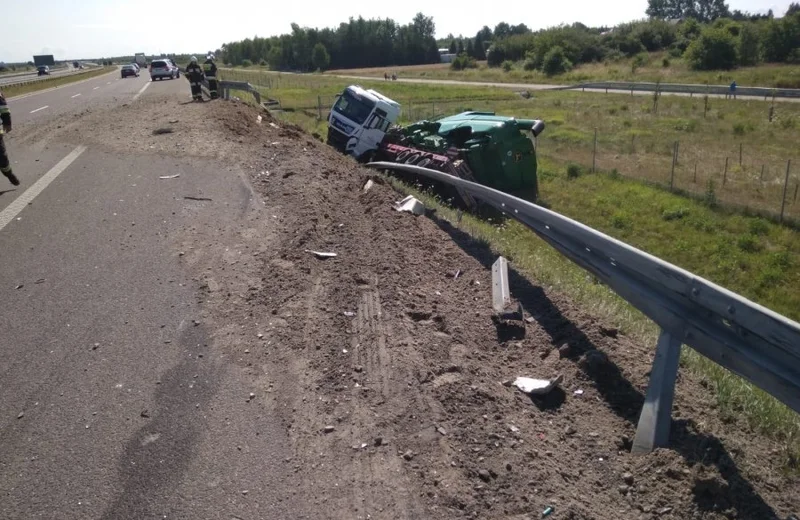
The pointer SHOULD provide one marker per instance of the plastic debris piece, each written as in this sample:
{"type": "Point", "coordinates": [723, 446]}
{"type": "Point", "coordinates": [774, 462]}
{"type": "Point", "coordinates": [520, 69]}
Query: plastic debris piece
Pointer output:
{"type": "Point", "coordinates": [349, 314]}
{"type": "Point", "coordinates": [170, 176]}
{"type": "Point", "coordinates": [548, 511]}
{"type": "Point", "coordinates": [410, 205]}
{"type": "Point", "coordinates": [578, 392]}
{"type": "Point", "coordinates": [368, 185]}
{"type": "Point", "coordinates": [533, 386]}
{"type": "Point", "coordinates": [258, 120]}
{"type": "Point", "coordinates": [321, 254]}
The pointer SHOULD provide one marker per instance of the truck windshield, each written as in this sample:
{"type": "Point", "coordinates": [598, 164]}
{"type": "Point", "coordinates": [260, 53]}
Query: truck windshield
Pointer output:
{"type": "Point", "coordinates": [353, 108]}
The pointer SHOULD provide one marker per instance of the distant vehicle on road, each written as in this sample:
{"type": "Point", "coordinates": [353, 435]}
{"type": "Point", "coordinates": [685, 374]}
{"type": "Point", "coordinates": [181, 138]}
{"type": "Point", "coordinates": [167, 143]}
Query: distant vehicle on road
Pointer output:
{"type": "Point", "coordinates": [138, 68]}
{"type": "Point", "coordinates": [140, 59]}
{"type": "Point", "coordinates": [76, 65]}
{"type": "Point", "coordinates": [43, 70]}
{"type": "Point", "coordinates": [163, 68]}
{"type": "Point", "coordinates": [129, 70]}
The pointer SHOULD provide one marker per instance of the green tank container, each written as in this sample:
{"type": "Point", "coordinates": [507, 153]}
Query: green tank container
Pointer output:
{"type": "Point", "coordinates": [499, 150]}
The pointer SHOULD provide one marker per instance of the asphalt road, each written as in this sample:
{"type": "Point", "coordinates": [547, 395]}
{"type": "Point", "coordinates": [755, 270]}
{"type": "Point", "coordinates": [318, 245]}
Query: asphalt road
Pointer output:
{"type": "Point", "coordinates": [114, 402]}
{"type": "Point", "coordinates": [6, 79]}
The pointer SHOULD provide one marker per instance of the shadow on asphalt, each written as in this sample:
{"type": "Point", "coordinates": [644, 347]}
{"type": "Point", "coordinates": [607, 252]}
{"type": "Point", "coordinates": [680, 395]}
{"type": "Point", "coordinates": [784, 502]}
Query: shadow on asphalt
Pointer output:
{"type": "Point", "coordinates": [620, 394]}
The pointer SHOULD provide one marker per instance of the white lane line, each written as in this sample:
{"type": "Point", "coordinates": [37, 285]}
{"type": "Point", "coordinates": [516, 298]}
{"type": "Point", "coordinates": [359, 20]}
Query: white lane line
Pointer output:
{"type": "Point", "coordinates": [76, 95]}
{"type": "Point", "coordinates": [95, 88]}
{"type": "Point", "coordinates": [40, 108]}
{"type": "Point", "coordinates": [109, 83]}
{"type": "Point", "coordinates": [141, 91]}
{"type": "Point", "coordinates": [13, 209]}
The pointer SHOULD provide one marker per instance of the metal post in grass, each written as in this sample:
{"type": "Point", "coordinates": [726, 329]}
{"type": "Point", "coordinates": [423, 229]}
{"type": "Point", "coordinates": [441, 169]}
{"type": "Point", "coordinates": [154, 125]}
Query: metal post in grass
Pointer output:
{"type": "Point", "coordinates": [785, 186]}
{"type": "Point", "coordinates": [740, 153]}
{"type": "Point", "coordinates": [695, 172]}
{"type": "Point", "coordinates": [319, 108]}
{"type": "Point", "coordinates": [594, 152]}
{"type": "Point", "coordinates": [674, 160]}
{"type": "Point", "coordinates": [677, 149]}
{"type": "Point", "coordinates": [762, 173]}
{"type": "Point", "coordinates": [725, 173]}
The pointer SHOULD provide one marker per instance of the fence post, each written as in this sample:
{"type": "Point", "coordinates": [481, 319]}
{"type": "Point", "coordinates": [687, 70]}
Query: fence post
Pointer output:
{"type": "Point", "coordinates": [695, 172]}
{"type": "Point", "coordinates": [654, 422]}
{"type": "Point", "coordinates": [674, 160]}
{"type": "Point", "coordinates": [319, 108]}
{"type": "Point", "coordinates": [785, 186]}
{"type": "Point", "coordinates": [725, 173]}
{"type": "Point", "coordinates": [740, 153]}
{"type": "Point", "coordinates": [594, 152]}
{"type": "Point", "coordinates": [677, 149]}
{"type": "Point", "coordinates": [762, 173]}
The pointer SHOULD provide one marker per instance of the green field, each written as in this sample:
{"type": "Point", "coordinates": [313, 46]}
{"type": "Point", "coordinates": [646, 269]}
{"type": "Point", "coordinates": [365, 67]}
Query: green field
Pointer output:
{"type": "Point", "coordinates": [627, 199]}
{"type": "Point", "coordinates": [55, 81]}
{"type": "Point", "coordinates": [653, 69]}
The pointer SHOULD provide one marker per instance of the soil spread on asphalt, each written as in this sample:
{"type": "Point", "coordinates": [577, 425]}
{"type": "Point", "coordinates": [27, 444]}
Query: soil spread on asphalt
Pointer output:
{"type": "Point", "coordinates": [387, 367]}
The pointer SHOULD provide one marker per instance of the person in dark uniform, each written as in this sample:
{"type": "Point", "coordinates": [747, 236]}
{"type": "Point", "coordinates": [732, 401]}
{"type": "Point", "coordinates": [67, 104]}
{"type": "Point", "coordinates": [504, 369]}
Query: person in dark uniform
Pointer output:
{"type": "Point", "coordinates": [210, 70]}
{"type": "Point", "coordinates": [194, 73]}
{"type": "Point", "coordinates": [5, 164]}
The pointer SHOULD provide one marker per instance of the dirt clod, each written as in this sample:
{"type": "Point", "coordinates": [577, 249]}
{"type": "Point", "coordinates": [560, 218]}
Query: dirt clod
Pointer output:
{"type": "Point", "coordinates": [485, 475]}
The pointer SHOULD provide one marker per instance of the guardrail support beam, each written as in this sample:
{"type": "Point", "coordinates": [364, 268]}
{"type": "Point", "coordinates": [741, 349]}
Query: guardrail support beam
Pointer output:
{"type": "Point", "coordinates": [654, 423]}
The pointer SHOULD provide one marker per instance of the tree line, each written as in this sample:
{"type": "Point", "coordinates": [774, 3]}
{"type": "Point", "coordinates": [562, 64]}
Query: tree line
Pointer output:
{"type": "Point", "coordinates": [706, 33]}
{"type": "Point", "coordinates": [357, 43]}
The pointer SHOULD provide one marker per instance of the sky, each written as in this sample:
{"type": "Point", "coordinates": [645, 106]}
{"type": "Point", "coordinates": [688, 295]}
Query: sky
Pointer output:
{"type": "Point", "coordinates": [98, 28]}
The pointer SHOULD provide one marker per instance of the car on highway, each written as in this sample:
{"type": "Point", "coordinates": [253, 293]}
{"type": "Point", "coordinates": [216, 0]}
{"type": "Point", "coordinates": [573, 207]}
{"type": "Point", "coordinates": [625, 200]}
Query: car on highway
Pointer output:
{"type": "Point", "coordinates": [43, 70]}
{"type": "Point", "coordinates": [129, 70]}
{"type": "Point", "coordinates": [163, 68]}
{"type": "Point", "coordinates": [136, 65]}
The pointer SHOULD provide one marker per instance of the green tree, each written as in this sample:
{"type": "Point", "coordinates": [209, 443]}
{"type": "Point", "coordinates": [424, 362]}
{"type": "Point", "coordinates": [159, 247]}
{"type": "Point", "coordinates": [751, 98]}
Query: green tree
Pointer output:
{"type": "Point", "coordinates": [749, 45]}
{"type": "Point", "coordinates": [781, 38]}
{"type": "Point", "coordinates": [716, 48]}
{"type": "Point", "coordinates": [453, 47]}
{"type": "Point", "coordinates": [556, 61]}
{"type": "Point", "coordinates": [702, 10]}
{"type": "Point", "coordinates": [320, 58]}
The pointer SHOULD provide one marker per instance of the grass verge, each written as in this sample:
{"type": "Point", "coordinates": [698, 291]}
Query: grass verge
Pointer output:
{"type": "Point", "coordinates": [19, 90]}
{"type": "Point", "coordinates": [655, 68]}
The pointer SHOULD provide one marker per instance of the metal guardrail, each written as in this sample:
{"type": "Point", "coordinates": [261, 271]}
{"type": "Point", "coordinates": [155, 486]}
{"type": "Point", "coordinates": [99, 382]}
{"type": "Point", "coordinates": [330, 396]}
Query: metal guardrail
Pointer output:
{"type": "Point", "coordinates": [226, 86]}
{"type": "Point", "coordinates": [742, 336]}
{"type": "Point", "coordinates": [714, 90]}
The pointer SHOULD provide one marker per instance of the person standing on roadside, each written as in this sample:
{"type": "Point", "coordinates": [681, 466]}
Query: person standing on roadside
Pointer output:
{"type": "Point", "coordinates": [5, 164]}
{"type": "Point", "coordinates": [194, 73]}
{"type": "Point", "coordinates": [210, 70]}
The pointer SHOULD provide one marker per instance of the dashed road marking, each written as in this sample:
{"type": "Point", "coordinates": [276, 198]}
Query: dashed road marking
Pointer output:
{"type": "Point", "coordinates": [95, 88]}
{"type": "Point", "coordinates": [76, 95]}
{"type": "Point", "coordinates": [40, 108]}
{"type": "Point", "coordinates": [13, 209]}
{"type": "Point", "coordinates": [141, 91]}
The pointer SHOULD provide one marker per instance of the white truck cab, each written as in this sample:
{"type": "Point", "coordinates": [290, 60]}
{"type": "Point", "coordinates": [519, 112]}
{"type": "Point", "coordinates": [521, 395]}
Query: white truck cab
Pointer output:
{"type": "Point", "coordinates": [359, 120]}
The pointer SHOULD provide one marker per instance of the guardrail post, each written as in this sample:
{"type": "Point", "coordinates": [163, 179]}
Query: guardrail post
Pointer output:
{"type": "Point", "coordinates": [319, 108]}
{"type": "Point", "coordinates": [656, 418]}
{"type": "Point", "coordinates": [725, 173]}
{"type": "Point", "coordinates": [785, 186]}
{"type": "Point", "coordinates": [695, 172]}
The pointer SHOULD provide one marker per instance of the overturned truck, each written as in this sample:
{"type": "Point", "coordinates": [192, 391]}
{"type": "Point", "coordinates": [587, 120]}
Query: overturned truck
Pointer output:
{"type": "Point", "coordinates": [496, 151]}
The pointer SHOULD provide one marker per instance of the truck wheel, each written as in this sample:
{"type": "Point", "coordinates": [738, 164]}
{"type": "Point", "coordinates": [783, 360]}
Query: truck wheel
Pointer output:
{"type": "Point", "coordinates": [402, 156]}
{"type": "Point", "coordinates": [424, 162]}
{"type": "Point", "coordinates": [413, 159]}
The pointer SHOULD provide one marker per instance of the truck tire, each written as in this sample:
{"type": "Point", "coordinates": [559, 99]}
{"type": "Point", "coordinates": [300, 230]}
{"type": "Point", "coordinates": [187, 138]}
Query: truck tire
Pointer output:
{"type": "Point", "coordinates": [413, 159]}
{"type": "Point", "coordinates": [424, 162]}
{"type": "Point", "coordinates": [402, 156]}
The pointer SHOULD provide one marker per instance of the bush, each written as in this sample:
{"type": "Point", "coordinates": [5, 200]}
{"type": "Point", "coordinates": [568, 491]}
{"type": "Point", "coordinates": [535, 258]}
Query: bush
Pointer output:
{"type": "Point", "coordinates": [710, 196]}
{"type": "Point", "coordinates": [507, 65]}
{"type": "Point", "coordinates": [263, 62]}
{"type": "Point", "coordinates": [738, 129]}
{"type": "Point", "coordinates": [665, 63]}
{"type": "Point", "coordinates": [758, 227]}
{"type": "Point", "coordinates": [716, 48]}
{"type": "Point", "coordinates": [749, 243]}
{"type": "Point", "coordinates": [556, 62]}
{"type": "Point", "coordinates": [640, 60]}
{"type": "Point", "coordinates": [574, 171]}
{"type": "Point", "coordinates": [674, 213]}
{"type": "Point", "coordinates": [247, 63]}
{"type": "Point", "coordinates": [320, 59]}
{"type": "Point", "coordinates": [463, 62]}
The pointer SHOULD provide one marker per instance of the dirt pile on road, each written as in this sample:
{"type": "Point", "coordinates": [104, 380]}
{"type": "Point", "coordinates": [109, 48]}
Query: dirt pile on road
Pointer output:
{"type": "Point", "coordinates": [387, 367]}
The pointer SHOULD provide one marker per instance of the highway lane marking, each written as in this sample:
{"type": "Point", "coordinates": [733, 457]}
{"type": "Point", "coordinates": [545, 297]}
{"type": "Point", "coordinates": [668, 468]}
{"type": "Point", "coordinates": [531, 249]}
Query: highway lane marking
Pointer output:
{"type": "Point", "coordinates": [44, 91]}
{"type": "Point", "coordinates": [95, 88]}
{"type": "Point", "coordinates": [109, 83]}
{"type": "Point", "coordinates": [141, 91]}
{"type": "Point", "coordinates": [13, 209]}
{"type": "Point", "coordinates": [76, 95]}
{"type": "Point", "coordinates": [40, 108]}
